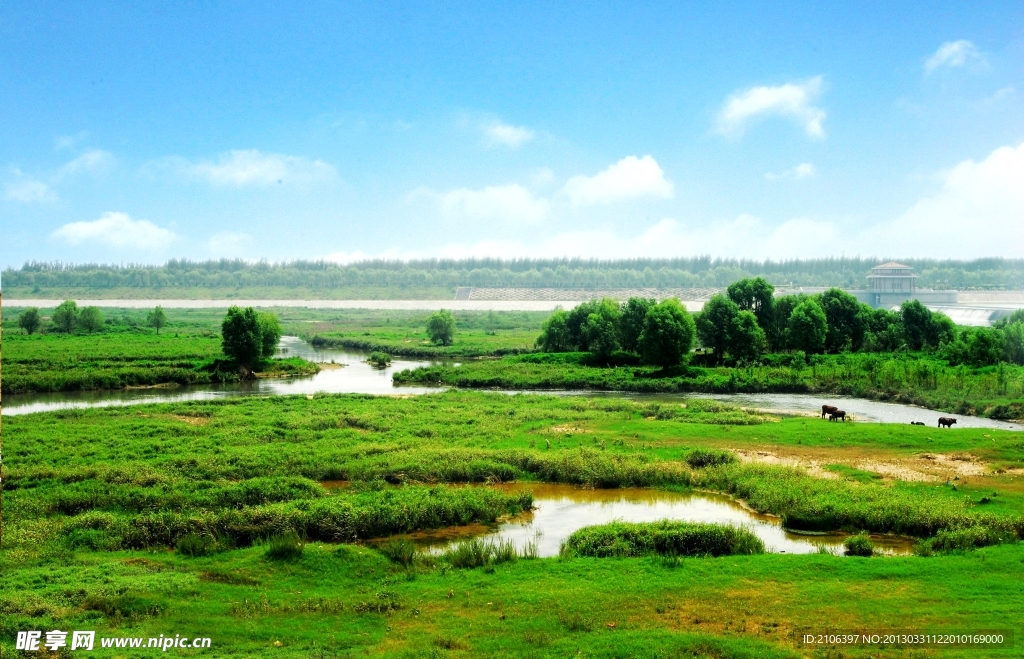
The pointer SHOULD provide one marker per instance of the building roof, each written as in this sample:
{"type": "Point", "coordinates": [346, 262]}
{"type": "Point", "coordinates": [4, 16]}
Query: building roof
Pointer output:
{"type": "Point", "coordinates": [892, 265]}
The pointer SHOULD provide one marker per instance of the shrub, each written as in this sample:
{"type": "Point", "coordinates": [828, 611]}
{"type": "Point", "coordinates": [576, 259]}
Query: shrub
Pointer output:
{"type": "Point", "coordinates": [379, 359]}
{"type": "Point", "coordinates": [195, 544]}
{"type": "Point", "coordinates": [968, 538]}
{"type": "Point", "coordinates": [285, 547]}
{"type": "Point", "coordinates": [859, 545]}
{"type": "Point", "coordinates": [668, 538]}
{"type": "Point", "coordinates": [700, 458]}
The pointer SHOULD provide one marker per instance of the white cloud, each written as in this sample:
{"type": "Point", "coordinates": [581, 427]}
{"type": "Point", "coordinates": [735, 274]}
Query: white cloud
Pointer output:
{"type": "Point", "coordinates": [792, 100]}
{"type": "Point", "coordinates": [228, 243]}
{"type": "Point", "coordinates": [629, 178]}
{"type": "Point", "coordinates": [978, 212]}
{"type": "Point", "coordinates": [28, 190]}
{"type": "Point", "coordinates": [62, 142]}
{"type": "Point", "coordinates": [91, 162]}
{"type": "Point", "coordinates": [502, 134]}
{"type": "Point", "coordinates": [507, 203]}
{"type": "Point", "coordinates": [115, 230]}
{"type": "Point", "coordinates": [953, 54]}
{"type": "Point", "coordinates": [800, 172]}
{"type": "Point", "coordinates": [241, 168]}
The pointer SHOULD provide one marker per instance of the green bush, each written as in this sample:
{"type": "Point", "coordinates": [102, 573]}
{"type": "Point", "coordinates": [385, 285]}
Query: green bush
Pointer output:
{"type": "Point", "coordinates": [700, 458]}
{"type": "Point", "coordinates": [285, 547]}
{"type": "Point", "coordinates": [195, 544]}
{"type": "Point", "coordinates": [668, 538]}
{"type": "Point", "coordinates": [859, 545]}
{"type": "Point", "coordinates": [478, 553]}
{"type": "Point", "coordinates": [379, 359]}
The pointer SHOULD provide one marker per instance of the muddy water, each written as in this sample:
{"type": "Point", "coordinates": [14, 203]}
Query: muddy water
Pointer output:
{"type": "Point", "coordinates": [561, 509]}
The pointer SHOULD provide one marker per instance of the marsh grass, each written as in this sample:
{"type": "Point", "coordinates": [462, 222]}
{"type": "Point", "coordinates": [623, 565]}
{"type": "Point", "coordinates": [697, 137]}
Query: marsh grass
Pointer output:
{"type": "Point", "coordinates": [287, 546]}
{"type": "Point", "coordinates": [859, 545]}
{"type": "Point", "coordinates": [399, 550]}
{"type": "Point", "coordinates": [478, 552]}
{"type": "Point", "coordinates": [665, 538]}
{"type": "Point", "coordinates": [700, 458]}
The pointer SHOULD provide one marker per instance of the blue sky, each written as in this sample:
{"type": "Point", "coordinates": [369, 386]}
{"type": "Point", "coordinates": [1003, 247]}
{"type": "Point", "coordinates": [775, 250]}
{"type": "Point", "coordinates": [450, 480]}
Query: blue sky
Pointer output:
{"type": "Point", "coordinates": [132, 133]}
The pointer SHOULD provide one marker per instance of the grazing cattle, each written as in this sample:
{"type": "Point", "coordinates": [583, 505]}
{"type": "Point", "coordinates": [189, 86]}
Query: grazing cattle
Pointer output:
{"type": "Point", "coordinates": [917, 423]}
{"type": "Point", "coordinates": [827, 409]}
{"type": "Point", "coordinates": [946, 421]}
{"type": "Point", "coordinates": [836, 415]}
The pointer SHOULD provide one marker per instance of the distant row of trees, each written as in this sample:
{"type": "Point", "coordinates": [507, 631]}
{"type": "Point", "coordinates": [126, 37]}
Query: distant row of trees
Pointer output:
{"type": "Point", "coordinates": [449, 273]}
{"type": "Point", "coordinates": [748, 321]}
{"type": "Point", "coordinates": [68, 318]}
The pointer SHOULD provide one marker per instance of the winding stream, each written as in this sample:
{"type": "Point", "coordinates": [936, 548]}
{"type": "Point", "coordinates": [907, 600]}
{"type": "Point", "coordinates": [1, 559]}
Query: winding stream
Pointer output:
{"type": "Point", "coordinates": [346, 371]}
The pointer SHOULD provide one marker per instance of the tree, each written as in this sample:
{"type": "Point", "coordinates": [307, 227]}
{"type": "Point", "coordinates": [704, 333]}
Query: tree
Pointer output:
{"type": "Point", "coordinates": [602, 334]}
{"type": "Point", "coordinates": [29, 320]}
{"type": "Point", "coordinates": [782, 309]}
{"type": "Point", "coordinates": [631, 321]}
{"type": "Point", "coordinates": [1013, 343]}
{"type": "Point", "coordinates": [156, 318]}
{"type": "Point", "coordinates": [755, 295]}
{"type": "Point", "coordinates": [554, 335]}
{"type": "Point", "coordinates": [807, 327]}
{"type": "Point", "coordinates": [976, 346]}
{"type": "Point", "coordinates": [248, 336]}
{"type": "Point", "coordinates": [883, 330]}
{"type": "Point", "coordinates": [845, 317]}
{"type": "Point", "coordinates": [441, 327]}
{"type": "Point", "coordinates": [91, 318]}
{"type": "Point", "coordinates": [65, 316]}
{"type": "Point", "coordinates": [578, 322]}
{"type": "Point", "coordinates": [667, 335]}
{"type": "Point", "coordinates": [916, 320]}
{"type": "Point", "coordinates": [747, 341]}
{"type": "Point", "coordinates": [715, 322]}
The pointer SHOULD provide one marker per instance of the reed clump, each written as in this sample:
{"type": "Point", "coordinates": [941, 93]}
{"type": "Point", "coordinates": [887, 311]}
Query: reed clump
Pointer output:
{"type": "Point", "coordinates": [666, 538]}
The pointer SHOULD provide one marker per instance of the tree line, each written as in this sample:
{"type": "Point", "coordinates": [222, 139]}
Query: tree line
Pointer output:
{"type": "Point", "coordinates": [528, 273]}
{"type": "Point", "coordinates": [748, 321]}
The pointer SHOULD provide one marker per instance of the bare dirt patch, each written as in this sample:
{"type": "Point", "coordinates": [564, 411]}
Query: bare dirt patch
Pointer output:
{"type": "Point", "coordinates": [192, 420]}
{"type": "Point", "coordinates": [927, 467]}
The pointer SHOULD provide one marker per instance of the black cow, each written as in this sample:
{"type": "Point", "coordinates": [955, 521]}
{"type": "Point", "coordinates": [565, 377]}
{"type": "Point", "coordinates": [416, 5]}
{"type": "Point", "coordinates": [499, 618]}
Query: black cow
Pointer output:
{"type": "Point", "coordinates": [946, 421]}
{"type": "Point", "coordinates": [836, 415]}
{"type": "Point", "coordinates": [917, 423]}
{"type": "Point", "coordinates": [827, 409]}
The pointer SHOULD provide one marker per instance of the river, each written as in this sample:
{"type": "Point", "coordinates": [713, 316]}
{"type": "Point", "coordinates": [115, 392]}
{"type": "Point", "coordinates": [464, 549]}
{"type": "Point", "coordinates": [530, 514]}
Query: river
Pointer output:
{"type": "Point", "coordinates": [346, 371]}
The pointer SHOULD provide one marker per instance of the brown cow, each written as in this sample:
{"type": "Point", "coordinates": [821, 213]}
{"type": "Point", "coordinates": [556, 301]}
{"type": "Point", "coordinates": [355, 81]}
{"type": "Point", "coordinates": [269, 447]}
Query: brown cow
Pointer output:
{"type": "Point", "coordinates": [838, 414]}
{"type": "Point", "coordinates": [946, 421]}
{"type": "Point", "coordinates": [827, 409]}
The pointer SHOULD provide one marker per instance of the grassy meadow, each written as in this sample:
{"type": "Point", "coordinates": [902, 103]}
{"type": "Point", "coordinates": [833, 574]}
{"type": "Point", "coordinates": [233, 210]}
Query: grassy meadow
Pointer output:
{"type": "Point", "coordinates": [176, 518]}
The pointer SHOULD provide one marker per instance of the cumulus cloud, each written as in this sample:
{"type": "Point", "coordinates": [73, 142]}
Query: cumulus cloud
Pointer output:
{"type": "Point", "coordinates": [801, 171]}
{"type": "Point", "coordinates": [513, 204]}
{"type": "Point", "coordinates": [792, 100]}
{"type": "Point", "coordinates": [115, 230]}
{"type": "Point", "coordinates": [91, 162]}
{"type": "Point", "coordinates": [629, 178]}
{"type": "Point", "coordinates": [953, 54]}
{"type": "Point", "coordinates": [28, 190]}
{"type": "Point", "coordinates": [501, 134]}
{"type": "Point", "coordinates": [242, 168]}
{"type": "Point", "coordinates": [978, 212]}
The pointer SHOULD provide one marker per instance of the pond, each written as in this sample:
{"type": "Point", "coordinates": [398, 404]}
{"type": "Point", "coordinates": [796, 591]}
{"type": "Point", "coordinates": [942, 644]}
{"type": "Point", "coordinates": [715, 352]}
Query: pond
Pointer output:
{"type": "Point", "coordinates": [561, 509]}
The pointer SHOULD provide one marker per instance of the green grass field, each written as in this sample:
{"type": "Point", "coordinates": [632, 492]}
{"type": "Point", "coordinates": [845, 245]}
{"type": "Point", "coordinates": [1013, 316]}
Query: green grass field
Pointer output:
{"type": "Point", "coordinates": [102, 509]}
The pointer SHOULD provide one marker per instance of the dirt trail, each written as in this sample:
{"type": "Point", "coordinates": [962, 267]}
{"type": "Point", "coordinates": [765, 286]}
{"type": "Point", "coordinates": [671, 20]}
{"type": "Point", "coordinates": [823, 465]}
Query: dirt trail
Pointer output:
{"type": "Point", "coordinates": [926, 467]}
